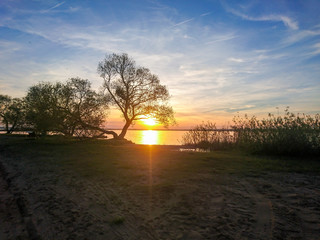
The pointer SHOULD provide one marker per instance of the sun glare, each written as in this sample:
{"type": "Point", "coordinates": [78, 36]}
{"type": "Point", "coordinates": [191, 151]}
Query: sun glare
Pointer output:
{"type": "Point", "coordinates": [149, 121]}
{"type": "Point", "coordinates": [150, 137]}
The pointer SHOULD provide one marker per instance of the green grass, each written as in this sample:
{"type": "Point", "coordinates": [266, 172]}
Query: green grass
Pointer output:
{"type": "Point", "coordinates": [131, 164]}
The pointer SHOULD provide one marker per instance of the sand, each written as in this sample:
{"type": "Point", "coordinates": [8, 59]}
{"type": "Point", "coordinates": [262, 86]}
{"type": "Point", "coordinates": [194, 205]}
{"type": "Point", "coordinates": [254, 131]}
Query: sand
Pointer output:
{"type": "Point", "coordinates": [41, 200]}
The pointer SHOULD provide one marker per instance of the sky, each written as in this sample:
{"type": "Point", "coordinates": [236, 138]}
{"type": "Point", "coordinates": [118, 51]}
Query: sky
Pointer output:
{"type": "Point", "coordinates": [218, 58]}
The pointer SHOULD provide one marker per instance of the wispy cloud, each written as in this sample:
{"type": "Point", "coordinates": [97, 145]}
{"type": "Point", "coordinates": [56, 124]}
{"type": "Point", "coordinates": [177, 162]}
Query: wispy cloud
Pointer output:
{"type": "Point", "coordinates": [205, 14]}
{"type": "Point", "coordinates": [8, 47]}
{"type": "Point", "coordinates": [211, 67]}
{"type": "Point", "coordinates": [238, 60]}
{"type": "Point", "coordinates": [55, 6]}
{"type": "Point", "coordinates": [301, 35]}
{"type": "Point", "coordinates": [191, 19]}
{"type": "Point", "coordinates": [231, 109]}
{"type": "Point", "coordinates": [287, 21]}
{"type": "Point", "coordinates": [183, 22]}
{"type": "Point", "coordinates": [316, 48]}
{"type": "Point", "coordinates": [221, 38]}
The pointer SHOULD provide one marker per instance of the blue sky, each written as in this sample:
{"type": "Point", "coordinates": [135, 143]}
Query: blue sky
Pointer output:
{"type": "Point", "coordinates": [216, 57]}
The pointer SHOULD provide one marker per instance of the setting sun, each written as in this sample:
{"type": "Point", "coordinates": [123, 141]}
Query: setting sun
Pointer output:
{"type": "Point", "coordinates": [149, 121]}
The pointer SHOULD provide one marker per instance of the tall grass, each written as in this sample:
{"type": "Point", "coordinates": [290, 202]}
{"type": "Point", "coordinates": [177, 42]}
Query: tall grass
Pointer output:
{"type": "Point", "coordinates": [207, 136]}
{"type": "Point", "coordinates": [291, 134]}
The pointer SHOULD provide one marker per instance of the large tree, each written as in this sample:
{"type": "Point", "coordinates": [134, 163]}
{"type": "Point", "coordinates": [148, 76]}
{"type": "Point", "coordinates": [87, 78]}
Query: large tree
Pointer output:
{"type": "Point", "coordinates": [43, 103]}
{"type": "Point", "coordinates": [11, 112]}
{"type": "Point", "coordinates": [135, 91]}
{"type": "Point", "coordinates": [71, 108]}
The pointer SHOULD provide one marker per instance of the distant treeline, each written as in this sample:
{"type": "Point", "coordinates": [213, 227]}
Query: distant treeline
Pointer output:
{"type": "Point", "coordinates": [290, 135]}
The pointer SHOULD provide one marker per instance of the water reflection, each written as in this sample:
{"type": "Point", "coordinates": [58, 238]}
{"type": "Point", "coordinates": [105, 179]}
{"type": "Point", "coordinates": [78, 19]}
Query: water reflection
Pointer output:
{"type": "Point", "coordinates": [193, 150]}
{"type": "Point", "coordinates": [150, 137]}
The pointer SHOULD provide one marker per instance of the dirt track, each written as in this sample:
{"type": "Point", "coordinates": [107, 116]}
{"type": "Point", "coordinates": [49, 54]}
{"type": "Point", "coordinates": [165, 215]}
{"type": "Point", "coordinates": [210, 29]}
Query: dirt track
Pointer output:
{"type": "Point", "coordinates": [46, 201]}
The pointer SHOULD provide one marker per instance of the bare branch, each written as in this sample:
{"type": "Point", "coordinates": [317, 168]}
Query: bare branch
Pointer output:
{"type": "Point", "coordinates": [134, 90]}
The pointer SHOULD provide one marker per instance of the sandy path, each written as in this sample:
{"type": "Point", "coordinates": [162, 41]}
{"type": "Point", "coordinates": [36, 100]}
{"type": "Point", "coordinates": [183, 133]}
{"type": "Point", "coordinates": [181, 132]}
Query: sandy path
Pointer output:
{"type": "Point", "coordinates": [14, 221]}
{"type": "Point", "coordinates": [44, 201]}
{"type": "Point", "coordinates": [264, 219]}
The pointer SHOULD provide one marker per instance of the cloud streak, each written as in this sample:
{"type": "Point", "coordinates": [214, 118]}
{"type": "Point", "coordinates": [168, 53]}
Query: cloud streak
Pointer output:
{"type": "Point", "coordinates": [54, 7]}
{"type": "Point", "coordinates": [205, 14]}
{"type": "Point", "coordinates": [287, 21]}
{"type": "Point", "coordinates": [183, 22]}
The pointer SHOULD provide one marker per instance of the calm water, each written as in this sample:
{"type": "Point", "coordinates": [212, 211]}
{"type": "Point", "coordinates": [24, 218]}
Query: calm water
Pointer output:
{"type": "Point", "coordinates": [150, 137]}
{"type": "Point", "coordinates": [154, 137]}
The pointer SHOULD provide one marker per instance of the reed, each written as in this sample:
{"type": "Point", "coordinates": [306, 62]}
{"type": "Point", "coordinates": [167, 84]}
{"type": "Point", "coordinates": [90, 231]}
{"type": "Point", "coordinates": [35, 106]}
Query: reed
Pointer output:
{"type": "Point", "coordinates": [291, 134]}
{"type": "Point", "coordinates": [207, 136]}
{"type": "Point", "coordinates": [288, 135]}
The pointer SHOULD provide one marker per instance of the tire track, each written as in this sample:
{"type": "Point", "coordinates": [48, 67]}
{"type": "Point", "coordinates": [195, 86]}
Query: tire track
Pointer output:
{"type": "Point", "coordinates": [14, 212]}
{"type": "Point", "coordinates": [264, 225]}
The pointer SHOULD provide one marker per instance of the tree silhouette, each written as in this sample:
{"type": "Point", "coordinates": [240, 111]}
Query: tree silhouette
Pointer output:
{"type": "Point", "coordinates": [135, 91]}
{"type": "Point", "coordinates": [70, 108]}
{"type": "Point", "coordinates": [11, 112]}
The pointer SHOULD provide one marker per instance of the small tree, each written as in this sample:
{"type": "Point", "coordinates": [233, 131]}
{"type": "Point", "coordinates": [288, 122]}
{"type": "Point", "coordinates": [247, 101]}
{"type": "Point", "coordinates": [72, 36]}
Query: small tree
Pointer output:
{"type": "Point", "coordinates": [135, 91]}
{"type": "Point", "coordinates": [11, 112]}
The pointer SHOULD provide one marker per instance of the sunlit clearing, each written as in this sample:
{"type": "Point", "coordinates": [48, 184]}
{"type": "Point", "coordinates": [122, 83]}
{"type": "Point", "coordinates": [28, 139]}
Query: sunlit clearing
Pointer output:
{"type": "Point", "coordinates": [149, 121]}
{"type": "Point", "coordinates": [150, 137]}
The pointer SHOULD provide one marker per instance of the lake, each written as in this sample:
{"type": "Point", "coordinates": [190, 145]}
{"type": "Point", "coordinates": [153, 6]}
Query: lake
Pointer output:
{"type": "Point", "coordinates": [150, 137]}
{"type": "Point", "coordinates": [154, 137]}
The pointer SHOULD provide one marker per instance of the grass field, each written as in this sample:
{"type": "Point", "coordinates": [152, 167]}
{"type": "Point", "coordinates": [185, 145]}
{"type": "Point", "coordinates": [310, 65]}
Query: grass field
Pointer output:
{"type": "Point", "coordinates": [108, 190]}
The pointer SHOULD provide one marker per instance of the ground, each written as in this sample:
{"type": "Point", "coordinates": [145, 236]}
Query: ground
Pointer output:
{"type": "Point", "coordinates": [96, 190]}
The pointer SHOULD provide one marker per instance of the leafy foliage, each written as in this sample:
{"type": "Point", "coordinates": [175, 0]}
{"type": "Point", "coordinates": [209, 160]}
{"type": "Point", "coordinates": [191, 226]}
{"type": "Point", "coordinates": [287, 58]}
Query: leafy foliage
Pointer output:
{"type": "Point", "coordinates": [71, 108]}
{"type": "Point", "coordinates": [85, 109]}
{"type": "Point", "coordinates": [11, 112]}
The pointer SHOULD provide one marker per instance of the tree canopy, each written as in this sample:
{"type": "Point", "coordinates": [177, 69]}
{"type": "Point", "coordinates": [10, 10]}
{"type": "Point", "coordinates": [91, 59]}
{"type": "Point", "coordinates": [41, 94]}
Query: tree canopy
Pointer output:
{"type": "Point", "coordinates": [135, 91]}
{"type": "Point", "coordinates": [72, 108]}
{"type": "Point", "coordinates": [11, 112]}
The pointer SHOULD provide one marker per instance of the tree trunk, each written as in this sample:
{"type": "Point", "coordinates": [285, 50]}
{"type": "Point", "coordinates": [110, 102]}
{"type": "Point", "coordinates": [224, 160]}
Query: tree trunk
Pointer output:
{"type": "Point", "coordinates": [125, 129]}
{"type": "Point", "coordinates": [114, 134]}
{"type": "Point", "coordinates": [12, 127]}
{"type": "Point", "coordinates": [7, 127]}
